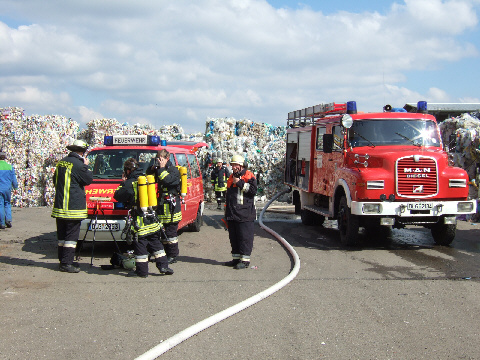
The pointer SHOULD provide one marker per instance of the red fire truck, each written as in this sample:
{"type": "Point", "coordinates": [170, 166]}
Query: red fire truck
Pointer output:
{"type": "Point", "coordinates": [106, 163]}
{"type": "Point", "coordinates": [373, 170]}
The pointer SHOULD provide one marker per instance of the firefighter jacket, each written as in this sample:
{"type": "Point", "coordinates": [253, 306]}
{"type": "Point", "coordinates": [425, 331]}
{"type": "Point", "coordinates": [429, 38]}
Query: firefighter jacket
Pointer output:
{"type": "Point", "coordinates": [70, 178]}
{"type": "Point", "coordinates": [143, 224]}
{"type": "Point", "coordinates": [240, 198]}
{"type": "Point", "coordinates": [168, 180]}
{"type": "Point", "coordinates": [8, 180]}
{"type": "Point", "coordinates": [219, 178]}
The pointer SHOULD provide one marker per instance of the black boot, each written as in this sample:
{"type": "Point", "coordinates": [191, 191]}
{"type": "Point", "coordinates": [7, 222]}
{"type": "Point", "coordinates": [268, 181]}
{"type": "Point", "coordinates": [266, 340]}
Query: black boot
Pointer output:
{"type": "Point", "coordinates": [242, 265]}
{"type": "Point", "coordinates": [166, 271]}
{"type": "Point", "coordinates": [69, 268]}
{"type": "Point", "coordinates": [232, 262]}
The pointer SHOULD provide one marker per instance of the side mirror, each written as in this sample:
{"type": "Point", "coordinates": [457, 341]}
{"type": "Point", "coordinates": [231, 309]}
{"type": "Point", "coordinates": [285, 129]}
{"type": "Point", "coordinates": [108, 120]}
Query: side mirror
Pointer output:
{"type": "Point", "coordinates": [327, 143]}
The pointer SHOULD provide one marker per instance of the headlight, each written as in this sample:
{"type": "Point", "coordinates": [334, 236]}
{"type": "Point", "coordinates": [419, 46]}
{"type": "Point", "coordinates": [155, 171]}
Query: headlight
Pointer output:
{"type": "Point", "coordinates": [372, 208]}
{"type": "Point", "coordinates": [465, 206]}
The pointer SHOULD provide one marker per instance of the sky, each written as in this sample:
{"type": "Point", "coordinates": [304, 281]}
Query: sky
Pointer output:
{"type": "Point", "coordinates": [162, 62]}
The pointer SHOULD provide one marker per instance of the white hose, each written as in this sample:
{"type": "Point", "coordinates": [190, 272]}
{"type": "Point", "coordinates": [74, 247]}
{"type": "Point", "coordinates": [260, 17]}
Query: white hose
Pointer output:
{"type": "Point", "coordinates": [216, 318]}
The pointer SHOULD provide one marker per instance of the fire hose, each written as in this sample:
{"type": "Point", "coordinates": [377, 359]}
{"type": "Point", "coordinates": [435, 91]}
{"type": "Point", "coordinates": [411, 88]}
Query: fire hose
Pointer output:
{"type": "Point", "coordinates": [173, 341]}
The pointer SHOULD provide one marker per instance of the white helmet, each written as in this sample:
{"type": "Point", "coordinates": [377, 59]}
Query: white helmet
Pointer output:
{"type": "Point", "coordinates": [237, 159]}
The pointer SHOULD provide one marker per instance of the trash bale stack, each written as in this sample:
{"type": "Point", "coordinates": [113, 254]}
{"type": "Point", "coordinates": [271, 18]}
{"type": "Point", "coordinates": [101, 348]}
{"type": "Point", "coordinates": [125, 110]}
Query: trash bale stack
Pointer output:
{"type": "Point", "coordinates": [98, 128]}
{"type": "Point", "coordinates": [462, 136]}
{"type": "Point", "coordinates": [465, 129]}
{"type": "Point", "coordinates": [33, 145]}
{"type": "Point", "coordinates": [262, 146]}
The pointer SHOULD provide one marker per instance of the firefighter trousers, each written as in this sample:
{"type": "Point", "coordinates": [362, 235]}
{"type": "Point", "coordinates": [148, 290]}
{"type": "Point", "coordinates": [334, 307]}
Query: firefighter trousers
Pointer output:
{"type": "Point", "coordinates": [220, 196]}
{"type": "Point", "coordinates": [241, 239]}
{"type": "Point", "coordinates": [142, 247]}
{"type": "Point", "coordinates": [68, 232]}
{"type": "Point", "coordinates": [171, 242]}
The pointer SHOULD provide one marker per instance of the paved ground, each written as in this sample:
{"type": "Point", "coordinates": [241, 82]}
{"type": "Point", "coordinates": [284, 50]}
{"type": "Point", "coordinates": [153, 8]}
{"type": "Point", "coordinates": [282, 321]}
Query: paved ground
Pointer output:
{"type": "Point", "coordinates": [395, 298]}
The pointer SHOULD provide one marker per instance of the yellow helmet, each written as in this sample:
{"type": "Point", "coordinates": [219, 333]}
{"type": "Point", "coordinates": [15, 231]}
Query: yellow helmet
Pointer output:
{"type": "Point", "coordinates": [237, 159]}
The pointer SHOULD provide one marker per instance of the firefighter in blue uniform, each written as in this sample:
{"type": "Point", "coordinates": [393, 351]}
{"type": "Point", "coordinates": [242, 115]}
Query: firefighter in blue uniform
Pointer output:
{"type": "Point", "coordinates": [70, 206]}
{"type": "Point", "coordinates": [219, 181]}
{"type": "Point", "coordinates": [169, 207]}
{"type": "Point", "coordinates": [240, 212]}
{"type": "Point", "coordinates": [145, 227]}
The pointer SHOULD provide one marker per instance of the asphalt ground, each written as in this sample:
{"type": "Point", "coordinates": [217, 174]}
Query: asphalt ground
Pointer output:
{"type": "Point", "coordinates": [399, 297]}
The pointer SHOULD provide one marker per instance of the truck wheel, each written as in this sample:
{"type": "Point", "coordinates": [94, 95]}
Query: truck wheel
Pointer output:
{"type": "Point", "coordinates": [348, 224]}
{"type": "Point", "coordinates": [319, 219]}
{"type": "Point", "coordinates": [443, 234]}
{"type": "Point", "coordinates": [308, 217]}
{"type": "Point", "coordinates": [197, 224]}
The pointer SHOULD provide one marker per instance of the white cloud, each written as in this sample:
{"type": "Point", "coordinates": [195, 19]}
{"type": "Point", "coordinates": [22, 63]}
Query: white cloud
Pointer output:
{"type": "Point", "coordinates": [87, 114]}
{"type": "Point", "coordinates": [437, 95]}
{"type": "Point", "coordinates": [184, 60]}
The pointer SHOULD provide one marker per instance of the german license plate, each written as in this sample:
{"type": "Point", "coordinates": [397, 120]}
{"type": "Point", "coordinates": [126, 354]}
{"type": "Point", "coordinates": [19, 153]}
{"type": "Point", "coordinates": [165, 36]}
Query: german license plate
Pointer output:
{"type": "Point", "coordinates": [105, 227]}
{"type": "Point", "coordinates": [420, 206]}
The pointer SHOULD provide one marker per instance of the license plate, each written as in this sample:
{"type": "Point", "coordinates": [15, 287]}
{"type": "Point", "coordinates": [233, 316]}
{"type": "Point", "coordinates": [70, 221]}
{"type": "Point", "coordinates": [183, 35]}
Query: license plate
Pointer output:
{"type": "Point", "coordinates": [105, 227]}
{"type": "Point", "coordinates": [420, 206]}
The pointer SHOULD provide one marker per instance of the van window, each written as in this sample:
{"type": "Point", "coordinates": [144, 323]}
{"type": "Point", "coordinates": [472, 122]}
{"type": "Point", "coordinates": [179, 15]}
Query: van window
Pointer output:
{"type": "Point", "coordinates": [108, 164]}
{"type": "Point", "coordinates": [192, 160]}
{"type": "Point", "coordinates": [182, 161]}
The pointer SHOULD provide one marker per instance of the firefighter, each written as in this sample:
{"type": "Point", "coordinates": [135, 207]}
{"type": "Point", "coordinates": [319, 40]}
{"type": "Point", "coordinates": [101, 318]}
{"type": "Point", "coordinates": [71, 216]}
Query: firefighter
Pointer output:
{"type": "Point", "coordinates": [240, 212]}
{"type": "Point", "coordinates": [219, 181]}
{"type": "Point", "coordinates": [70, 206]}
{"type": "Point", "coordinates": [169, 207]}
{"type": "Point", "coordinates": [145, 227]}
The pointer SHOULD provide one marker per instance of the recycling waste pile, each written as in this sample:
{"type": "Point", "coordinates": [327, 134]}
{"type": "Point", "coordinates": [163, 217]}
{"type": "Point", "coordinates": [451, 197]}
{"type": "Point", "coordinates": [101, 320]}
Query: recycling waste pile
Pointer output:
{"type": "Point", "coordinates": [462, 136]}
{"type": "Point", "coordinates": [35, 143]}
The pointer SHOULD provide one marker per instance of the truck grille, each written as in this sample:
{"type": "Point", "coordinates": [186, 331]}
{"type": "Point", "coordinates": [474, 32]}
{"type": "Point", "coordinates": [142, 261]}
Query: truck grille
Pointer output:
{"type": "Point", "coordinates": [417, 176]}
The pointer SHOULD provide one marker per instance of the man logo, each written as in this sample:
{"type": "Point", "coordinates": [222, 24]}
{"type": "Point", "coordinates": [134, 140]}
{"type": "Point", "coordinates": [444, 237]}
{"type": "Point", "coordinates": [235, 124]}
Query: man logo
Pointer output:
{"type": "Point", "coordinates": [418, 189]}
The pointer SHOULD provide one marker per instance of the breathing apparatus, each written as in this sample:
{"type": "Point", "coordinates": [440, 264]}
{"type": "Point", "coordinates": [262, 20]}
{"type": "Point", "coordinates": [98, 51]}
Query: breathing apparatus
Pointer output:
{"type": "Point", "coordinates": [127, 230]}
{"type": "Point", "coordinates": [183, 180]}
{"type": "Point", "coordinates": [147, 195]}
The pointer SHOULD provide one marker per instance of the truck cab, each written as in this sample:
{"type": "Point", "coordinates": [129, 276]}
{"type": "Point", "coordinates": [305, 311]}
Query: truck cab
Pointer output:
{"type": "Point", "coordinates": [373, 170]}
{"type": "Point", "coordinates": [106, 163]}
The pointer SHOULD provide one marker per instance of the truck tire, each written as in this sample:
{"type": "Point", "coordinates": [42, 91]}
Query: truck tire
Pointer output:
{"type": "Point", "coordinates": [348, 224]}
{"type": "Point", "coordinates": [319, 219]}
{"type": "Point", "coordinates": [308, 217]}
{"type": "Point", "coordinates": [443, 234]}
{"type": "Point", "coordinates": [197, 224]}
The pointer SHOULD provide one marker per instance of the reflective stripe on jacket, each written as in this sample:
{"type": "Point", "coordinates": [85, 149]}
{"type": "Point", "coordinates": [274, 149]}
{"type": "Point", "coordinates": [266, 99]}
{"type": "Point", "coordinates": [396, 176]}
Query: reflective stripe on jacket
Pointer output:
{"type": "Point", "coordinates": [127, 194]}
{"type": "Point", "coordinates": [70, 178]}
{"type": "Point", "coordinates": [240, 198]}
{"type": "Point", "coordinates": [219, 179]}
{"type": "Point", "coordinates": [169, 207]}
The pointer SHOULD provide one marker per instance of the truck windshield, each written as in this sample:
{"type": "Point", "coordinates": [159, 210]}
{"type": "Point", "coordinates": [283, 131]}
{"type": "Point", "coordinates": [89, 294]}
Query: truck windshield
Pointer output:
{"type": "Point", "coordinates": [373, 132]}
{"type": "Point", "coordinates": [108, 164]}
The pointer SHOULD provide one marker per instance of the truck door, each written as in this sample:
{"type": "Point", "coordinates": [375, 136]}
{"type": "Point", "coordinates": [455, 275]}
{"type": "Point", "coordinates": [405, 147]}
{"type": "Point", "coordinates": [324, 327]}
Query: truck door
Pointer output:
{"type": "Point", "coordinates": [291, 158]}
{"type": "Point", "coordinates": [333, 160]}
{"type": "Point", "coordinates": [298, 158]}
{"type": "Point", "coordinates": [320, 162]}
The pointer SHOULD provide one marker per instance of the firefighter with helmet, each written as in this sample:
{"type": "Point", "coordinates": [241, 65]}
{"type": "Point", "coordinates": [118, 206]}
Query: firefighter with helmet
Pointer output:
{"type": "Point", "coordinates": [169, 208]}
{"type": "Point", "coordinates": [145, 227]}
{"type": "Point", "coordinates": [219, 181]}
{"type": "Point", "coordinates": [70, 206]}
{"type": "Point", "coordinates": [240, 212]}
